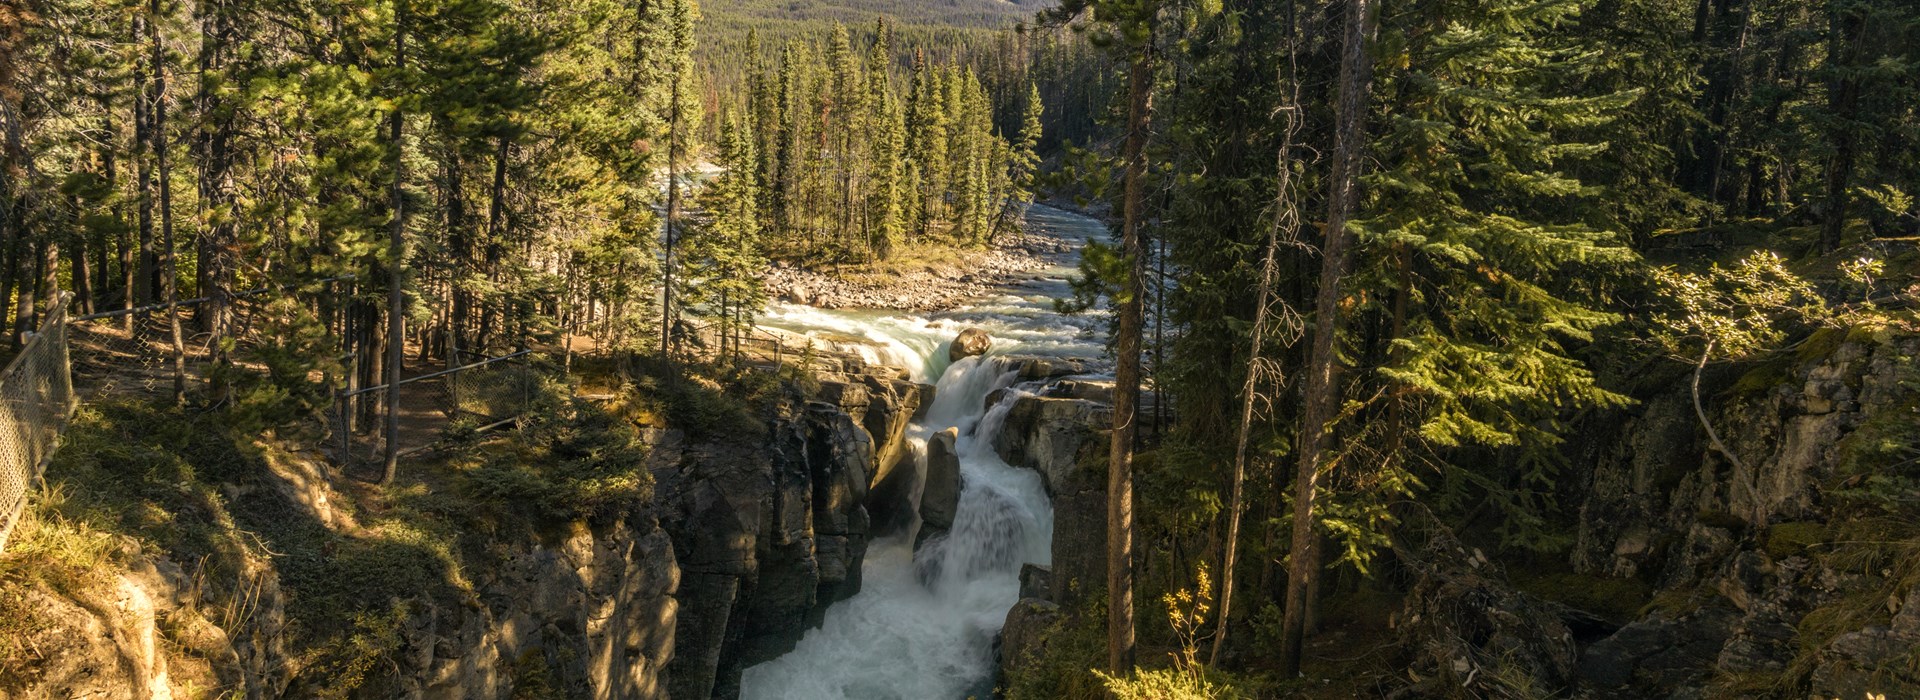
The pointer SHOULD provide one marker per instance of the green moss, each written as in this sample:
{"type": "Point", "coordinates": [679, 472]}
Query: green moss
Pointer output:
{"type": "Point", "coordinates": [1062, 666]}
{"type": "Point", "coordinates": [1788, 539]}
{"type": "Point", "coordinates": [1675, 603]}
{"type": "Point", "coordinates": [1614, 599]}
{"type": "Point", "coordinates": [1763, 378]}
{"type": "Point", "coordinates": [1821, 345]}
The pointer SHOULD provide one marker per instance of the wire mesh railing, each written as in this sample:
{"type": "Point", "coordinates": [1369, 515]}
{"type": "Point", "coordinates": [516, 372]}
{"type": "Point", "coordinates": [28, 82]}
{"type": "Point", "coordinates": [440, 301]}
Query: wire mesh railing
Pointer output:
{"type": "Point", "coordinates": [742, 342]}
{"type": "Point", "coordinates": [36, 400]}
{"type": "Point", "coordinates": [170, 351]}
{"type": "Point", "coordinates": [485, 393]}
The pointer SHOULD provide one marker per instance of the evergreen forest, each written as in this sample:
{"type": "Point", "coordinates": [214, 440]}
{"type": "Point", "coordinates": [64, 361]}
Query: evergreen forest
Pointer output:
{"type": "Point", "coordinates": [821, 349]}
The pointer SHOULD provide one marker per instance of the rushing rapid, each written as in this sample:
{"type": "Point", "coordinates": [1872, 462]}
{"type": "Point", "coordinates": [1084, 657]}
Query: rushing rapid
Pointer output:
{"type": "Point", "coordinates": [925, 629]}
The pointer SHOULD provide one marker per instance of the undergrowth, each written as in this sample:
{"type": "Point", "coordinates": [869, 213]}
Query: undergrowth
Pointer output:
{"type": "Point", "coordinates": [200, 488]}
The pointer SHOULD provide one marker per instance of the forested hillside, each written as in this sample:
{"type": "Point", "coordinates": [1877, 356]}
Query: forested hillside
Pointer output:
{"type": "Point", "coordinates": [1099, 348]}
{"type": "Point", "coordinates": [1393, 262]}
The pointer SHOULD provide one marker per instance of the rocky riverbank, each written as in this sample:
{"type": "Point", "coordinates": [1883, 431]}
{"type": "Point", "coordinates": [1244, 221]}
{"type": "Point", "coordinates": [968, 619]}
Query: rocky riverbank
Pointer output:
{"type": "Point", "coordinates": [923, 278]}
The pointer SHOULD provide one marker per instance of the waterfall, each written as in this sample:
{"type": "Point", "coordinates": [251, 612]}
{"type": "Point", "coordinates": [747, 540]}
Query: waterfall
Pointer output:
{"type": "Point", "coordinates": [924, 630]}
{"type": "Point", "coordinates": [900, 636]}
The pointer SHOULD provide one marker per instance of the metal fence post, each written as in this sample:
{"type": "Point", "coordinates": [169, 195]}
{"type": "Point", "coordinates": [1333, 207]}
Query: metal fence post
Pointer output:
{"type": "Point", "coordinates": [453, 360]}
{"type": "Point", "coordinates": [344, 426]}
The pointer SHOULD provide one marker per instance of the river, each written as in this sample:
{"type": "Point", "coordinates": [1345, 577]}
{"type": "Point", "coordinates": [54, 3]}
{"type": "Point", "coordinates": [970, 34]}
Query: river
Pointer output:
{"type": "Point", "coordinates": [924, 630]}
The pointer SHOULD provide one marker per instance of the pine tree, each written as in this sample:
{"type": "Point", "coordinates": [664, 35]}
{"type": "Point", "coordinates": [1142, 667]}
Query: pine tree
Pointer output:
{"type": "Point", "coordinates": [727, 252]}
{"type": "Point", "coordinates": [1476, 227]}
{"type": "Point", "coordinates": [683, 118]}
{"type": "Point", "coordinates": [930, 133]}
{"type": "Point", "coordinates": [1023, 161]}
{"type": "Point", "coordinates": [883, 205]}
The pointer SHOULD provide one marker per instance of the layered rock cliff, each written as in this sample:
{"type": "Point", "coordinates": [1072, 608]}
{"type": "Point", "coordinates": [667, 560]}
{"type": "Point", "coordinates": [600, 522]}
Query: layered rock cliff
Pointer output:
{"type": "Point", "coordinates": [464, 583]}
{"type": "Point", "coordinates": [772, 527]}
{"type": "Point", "coordinates": [1793, 567]}
{"type": "Point", "coordinates": [1793, 571]}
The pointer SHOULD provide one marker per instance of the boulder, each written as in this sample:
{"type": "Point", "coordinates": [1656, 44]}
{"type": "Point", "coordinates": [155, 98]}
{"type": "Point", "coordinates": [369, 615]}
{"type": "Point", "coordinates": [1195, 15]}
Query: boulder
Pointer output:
{"type": "Point", "coordinates": [1873, 662]}
{"type": "Point", "coordinates": [1029, 623]}
{"type": "Point", "coordinates": [1033, 369]}
{"type": "Point", "coordinates": [940, 495]}
{"type": "Point", "coordinates": [1036, 580]}
{"type": "Point", "coordinates": [1465, 630]}
{"type": "Point", "coordinates": [969, 343]}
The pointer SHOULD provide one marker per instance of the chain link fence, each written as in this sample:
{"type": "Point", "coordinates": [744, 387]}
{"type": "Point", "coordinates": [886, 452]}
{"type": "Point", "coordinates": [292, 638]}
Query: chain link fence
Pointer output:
{"type": "Point", "coordinates": [746, 343]}
{"type": "Point", "coordinates": [36, 399]}
{"type": "Point", "coordinates": [163, 351]}
{"type": "Point", "coordinates": [484, 393]}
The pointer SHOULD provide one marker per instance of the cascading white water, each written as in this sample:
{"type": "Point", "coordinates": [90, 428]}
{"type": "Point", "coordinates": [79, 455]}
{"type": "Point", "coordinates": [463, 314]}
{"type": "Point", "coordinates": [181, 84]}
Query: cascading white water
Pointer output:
{"type": "Point", "coordinates": [913, 634]}
{"type": "Point", "coordinates": [925, 631]}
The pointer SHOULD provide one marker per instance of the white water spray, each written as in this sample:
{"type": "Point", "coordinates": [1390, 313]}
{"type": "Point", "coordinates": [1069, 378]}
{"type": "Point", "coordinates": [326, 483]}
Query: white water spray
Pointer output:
{"type": "Point", "coordinates": [924, 631]}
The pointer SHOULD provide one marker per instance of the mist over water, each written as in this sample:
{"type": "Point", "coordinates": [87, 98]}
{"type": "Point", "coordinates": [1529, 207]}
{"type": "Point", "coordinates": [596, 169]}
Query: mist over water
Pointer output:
{"type": "Point", "coordinates": [924, 630]}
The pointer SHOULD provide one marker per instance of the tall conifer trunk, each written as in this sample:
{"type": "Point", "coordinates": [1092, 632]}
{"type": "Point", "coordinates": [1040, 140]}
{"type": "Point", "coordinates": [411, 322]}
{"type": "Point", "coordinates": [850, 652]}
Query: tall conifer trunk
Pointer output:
{"type": "Point", "coordinates": [1322, 395]}
{"type": "Point", "coordinates": [169, 267]}
{"type": "Point", "coordinates": [673, 219]}
{"type": "Point", "coordinates": [1843, 105]}
{"type": "Point", "coordinates": [396, 259]}
{"type": "Point", "coordinates": [218, 234]}
{"type": "Point", "coordinates": [1126, 388]}
{"type": "Point", "coordinates": [141, 281]}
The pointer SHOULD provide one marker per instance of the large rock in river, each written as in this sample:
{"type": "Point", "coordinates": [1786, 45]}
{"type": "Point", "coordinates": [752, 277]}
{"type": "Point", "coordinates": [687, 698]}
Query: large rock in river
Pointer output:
{"type": "Point", "coordinates": [969, 343]}
{"type": "Point", "coordinates": [940, 497]}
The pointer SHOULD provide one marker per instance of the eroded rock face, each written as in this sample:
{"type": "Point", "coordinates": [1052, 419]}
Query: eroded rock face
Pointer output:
{"type": "Point", "coordinates": [1465, 626]}
{"type": "Point", "coordinates": [1066, 441]}
{"type": "Point", "coordinates": [107, 641]}
{"type": "Point", "coordinates": [597, 610]}
{"type": "Point", "coordinates": [772, 528]}
{"type": "Point", "coordinates": [1051, 436]}
{"type": "Point", "coordinates": [1739, 553]}
{"type": "Point", "coordinates": [969, 343]}
{"type": "Point", "coordinates": [769, 529]}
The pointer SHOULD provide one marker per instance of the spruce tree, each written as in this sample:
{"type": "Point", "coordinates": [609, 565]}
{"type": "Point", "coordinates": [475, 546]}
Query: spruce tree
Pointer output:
{"type": "Point", "coordinates": [1023, 159]}
{"type": "Point", "coordinates": [727, 251]}
{"type": "Point", "coordinates": [1478, 230]}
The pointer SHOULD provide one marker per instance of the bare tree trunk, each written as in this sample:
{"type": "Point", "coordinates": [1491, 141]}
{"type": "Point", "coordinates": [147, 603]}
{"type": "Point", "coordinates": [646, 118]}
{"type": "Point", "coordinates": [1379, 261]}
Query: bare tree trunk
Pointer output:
{"type": "Point", "coordinates": [1126, 388]}
{"type": "Point", "coordinates": [1322, 391]}
{"type": "Point", "coordinates": [496, 235]}
{"type": "Point", "coordinates": [81, 273]}
{"type": "Point", "coordinates": [673, 220]}
{"type": "Point", "coordinates": [218, 236]}
{"type": "Point", "coordinates": [169, 268]}
{"type": "Point", "coordinates": [460, 254]}
{"type": "Point", "coordinates": [142, 278]}
{"type": "Point", "coordinates": [10, 238]}
{"type": "Point", "coordinates": [1843, 102]}
{"type": "Point", "coordinates": [49, 279]}
{"type": "Point", "coordinates": [396, 262]}
{"type": "Point", "coordinates": [29, 284]}
{"type": "Point", "coordinates": [1741, 474]}
{"type": "Point", "coordinates": [1286, 219]}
